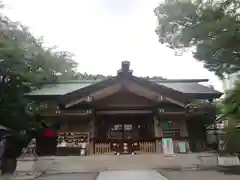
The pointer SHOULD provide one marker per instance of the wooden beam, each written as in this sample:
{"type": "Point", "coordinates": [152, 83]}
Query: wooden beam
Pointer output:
{"type": "Point", "coordinates": [123, 112]}
{"type": "Point", "coordinates": [64, 114]}
{"type": "Point", "coordinates": [114, 112]}
{"type": "Point", "coordinates": [140, 91]}
{"type": "Point", "coordinates": [129, 86]}
{"type": "Point", "coordinates": [154, 96]}
{"type": "Point", "coordinates": [97, 95]}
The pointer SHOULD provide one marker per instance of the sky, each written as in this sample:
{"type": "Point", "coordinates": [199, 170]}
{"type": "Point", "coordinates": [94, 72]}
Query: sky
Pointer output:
{"type": "Point", "coordinates": [102, 33]}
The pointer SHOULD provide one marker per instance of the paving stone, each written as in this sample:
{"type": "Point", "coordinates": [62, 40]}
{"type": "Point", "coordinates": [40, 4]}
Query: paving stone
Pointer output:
{"type": "Point", "coordinates": [76, 176]}
{"type": "Point", "coordinates": [112, 162]}
{"type": "Point", "coordinates": [131, 175]}
{"type": "Point", "coordinates": [198, 175]}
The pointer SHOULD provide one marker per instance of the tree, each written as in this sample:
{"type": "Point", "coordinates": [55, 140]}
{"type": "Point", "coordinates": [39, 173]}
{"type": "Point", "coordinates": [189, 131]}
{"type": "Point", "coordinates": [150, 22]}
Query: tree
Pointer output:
{"type": "Point", "coordinates": [210, 27]}
{"type": "Point", "coordinates": [231, 102]}
{"type": "Point", "coordinates": [232, 138]}
{"type": "Point", "coordinates": [25, 64]}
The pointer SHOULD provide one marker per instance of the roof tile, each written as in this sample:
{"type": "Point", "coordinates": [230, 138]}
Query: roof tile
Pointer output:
{"type": "Point", "coordinates": [63, 88]}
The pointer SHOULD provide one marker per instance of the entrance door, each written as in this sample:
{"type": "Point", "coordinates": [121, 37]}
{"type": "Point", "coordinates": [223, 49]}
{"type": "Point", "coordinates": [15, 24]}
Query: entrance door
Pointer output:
{"type": "Point", "coordinates": [127, 131]}
{"type": "Point", "coordinates": [128, 136]}
{"type": "Point", "coordinates": [121, 135]}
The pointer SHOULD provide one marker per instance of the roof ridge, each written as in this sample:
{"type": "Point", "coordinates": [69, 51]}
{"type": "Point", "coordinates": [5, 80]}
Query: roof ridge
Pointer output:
{"type": "Point", "coordinates": [77, 81]}
{"type": "Point", "coordinates": [180, 80]}
{"type": "Point", "coordinates": [154, 80]}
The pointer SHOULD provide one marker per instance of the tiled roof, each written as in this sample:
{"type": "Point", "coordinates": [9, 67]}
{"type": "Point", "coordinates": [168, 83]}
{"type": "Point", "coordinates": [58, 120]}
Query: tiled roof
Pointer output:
{"type": "Point", "coordinates": [189, 88]}
{"type": "Point", "coordinates": [62, 88]}
{"type": "Point", "coordinates": [58, 89]}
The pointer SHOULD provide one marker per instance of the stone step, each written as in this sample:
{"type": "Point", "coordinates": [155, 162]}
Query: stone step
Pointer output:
{"type": "Point", "coordinates": [113, 162]}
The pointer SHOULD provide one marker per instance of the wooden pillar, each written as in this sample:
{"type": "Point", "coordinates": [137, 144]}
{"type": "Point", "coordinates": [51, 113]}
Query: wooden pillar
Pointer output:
{"type": "Point", "coordinates": [158, 133]}
{"type": "Point", "coordinates": [64, 128]}
{"type": "Point", "coordinates": [92, 133]}
{"type": "Point", "coordinates": [184, 132]}
{"type": "Point", "coordinates": [183, 128]}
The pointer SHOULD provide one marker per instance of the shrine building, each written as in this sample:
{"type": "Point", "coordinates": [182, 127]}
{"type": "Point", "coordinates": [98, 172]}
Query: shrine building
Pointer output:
{"type": "Point", "coordinates": [128, 114]}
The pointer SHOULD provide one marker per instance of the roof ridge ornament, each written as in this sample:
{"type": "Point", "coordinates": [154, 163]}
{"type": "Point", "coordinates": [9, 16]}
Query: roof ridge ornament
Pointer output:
{"type": "Point", "coordinates": [125, 69]}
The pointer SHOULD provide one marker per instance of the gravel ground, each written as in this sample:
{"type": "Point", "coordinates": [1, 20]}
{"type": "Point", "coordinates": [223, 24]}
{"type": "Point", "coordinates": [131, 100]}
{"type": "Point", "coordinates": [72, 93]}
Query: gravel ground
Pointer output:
{"type": "Point", "coordinates": [76, 176]}
{"type": "Point", "coordinates": [198, 175]}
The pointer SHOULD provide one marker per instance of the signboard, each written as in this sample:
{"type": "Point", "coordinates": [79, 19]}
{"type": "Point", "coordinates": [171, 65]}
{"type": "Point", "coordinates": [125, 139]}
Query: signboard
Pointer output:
{"type": "Point", "coordinates": [167, 144]}
{"type": "Point", "coordinates": [171, 128]}
{"type": "Point", "coordinates": [182, 146]}
{"type": "Point", "coordinates": [168, 124]}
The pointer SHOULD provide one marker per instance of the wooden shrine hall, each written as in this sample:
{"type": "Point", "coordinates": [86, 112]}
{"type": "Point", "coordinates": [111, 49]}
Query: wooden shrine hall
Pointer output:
{"type": "Point", "coordinates": [128, 114]}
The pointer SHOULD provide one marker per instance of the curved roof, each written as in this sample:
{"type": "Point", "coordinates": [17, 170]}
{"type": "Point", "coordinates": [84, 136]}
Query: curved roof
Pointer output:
{"type": "Point", "coordinates": [177, 86]}
{"type": "Point", "coordinates": [183, 86]}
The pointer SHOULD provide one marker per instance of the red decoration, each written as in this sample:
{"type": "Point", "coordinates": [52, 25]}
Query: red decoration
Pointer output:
{"type": "Point", "coordinates": [49, 133]}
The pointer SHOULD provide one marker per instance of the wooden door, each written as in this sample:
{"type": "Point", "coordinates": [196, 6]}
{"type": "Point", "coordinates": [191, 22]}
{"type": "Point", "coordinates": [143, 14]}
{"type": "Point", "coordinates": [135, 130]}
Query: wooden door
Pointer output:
{"type": "Point", "coordinates": [121, 135]}
{"type": "Point", "coordinates": [128, 137]}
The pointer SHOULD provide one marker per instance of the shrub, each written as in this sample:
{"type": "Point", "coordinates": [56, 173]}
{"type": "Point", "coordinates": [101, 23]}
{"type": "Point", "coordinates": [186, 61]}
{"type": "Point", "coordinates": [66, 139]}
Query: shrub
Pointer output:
{"type": "Point", "coordinates": [232, 138]}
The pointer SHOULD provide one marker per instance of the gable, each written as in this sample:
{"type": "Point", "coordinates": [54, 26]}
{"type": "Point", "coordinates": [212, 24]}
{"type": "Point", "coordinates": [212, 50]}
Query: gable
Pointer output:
{"type": "Point", "coordinates": [126, 84]}
{"type": "Point", "coordinates": [118, 100]}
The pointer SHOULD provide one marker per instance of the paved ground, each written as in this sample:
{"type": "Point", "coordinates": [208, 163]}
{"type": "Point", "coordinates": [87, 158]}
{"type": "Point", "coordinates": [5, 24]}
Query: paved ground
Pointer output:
{"type": "Point", "coordinates": [131, 175]}
{"type": "Point", "coordinates": [101, 163]}
{"type": "Point", "coordinates": [77, 176]}
{"type": "Point", "coordinates": [146, 175]}
{"type": "Point", "coordinates": [141, 166]}
{"type": "Point", "coordinates": [198, 175]}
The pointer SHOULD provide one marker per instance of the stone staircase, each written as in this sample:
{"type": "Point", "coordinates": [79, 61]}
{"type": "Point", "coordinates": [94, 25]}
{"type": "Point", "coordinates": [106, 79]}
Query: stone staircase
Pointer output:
{"type": "Point", "coordinates": [124, 162]}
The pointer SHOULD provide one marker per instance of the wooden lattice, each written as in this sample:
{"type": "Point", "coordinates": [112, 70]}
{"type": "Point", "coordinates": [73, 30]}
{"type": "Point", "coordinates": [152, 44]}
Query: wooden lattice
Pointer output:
{"type": "Point", "coordinates": [102, 148]}
{"type": "Point", "coordinates": [148, 147]}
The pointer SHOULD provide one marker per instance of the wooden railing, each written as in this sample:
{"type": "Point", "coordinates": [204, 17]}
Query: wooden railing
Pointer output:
{"type": "Point", "coordinates": [102, 147]}
{"type": "Point", "coordinates": [147, 146]}
{"type": "Point", "coordinates": [106, 147]}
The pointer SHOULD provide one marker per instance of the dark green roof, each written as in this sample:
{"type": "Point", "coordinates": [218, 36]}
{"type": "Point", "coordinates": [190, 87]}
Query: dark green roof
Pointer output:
{"type": "Point", "coordinates": [190, 86]}
{"type": "Point", "coordinates": [59, 89]}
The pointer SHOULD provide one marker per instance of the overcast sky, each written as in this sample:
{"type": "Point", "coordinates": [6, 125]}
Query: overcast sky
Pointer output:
{"type": "Point", "coordinates": [102, 33]}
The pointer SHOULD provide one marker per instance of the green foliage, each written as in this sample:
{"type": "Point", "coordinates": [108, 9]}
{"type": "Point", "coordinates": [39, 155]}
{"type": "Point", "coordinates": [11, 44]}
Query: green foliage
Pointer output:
{"type": "Point", "coordinates": [219, 108]}
{"type": "Point", "coordinates": [209, 108]}
{"type": "Point", "coordinates": [26, 64]}
{"type": "Point", "coordinates": [232, 138]}
{"type": "Point", "coordinates": [231, 102]}
{"type": "Point", "coordinates": [212, 27]}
